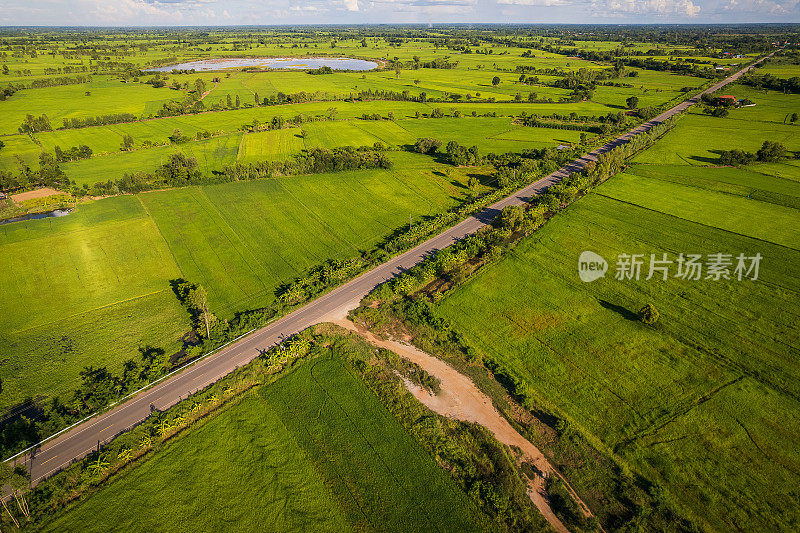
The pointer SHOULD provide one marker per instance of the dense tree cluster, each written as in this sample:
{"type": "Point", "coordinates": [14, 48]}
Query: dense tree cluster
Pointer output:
{"type": "Point", "coordinates": [426, 145]}
{"type": "Point", "coordinates": [770, 152]}
{"type": "Point", "coordinates": [314, 161]}
{"type": "Point", "coordinates": [49, 174]}
{"type": "Point", "coordinates": [461, 155]}
{"type": "Point", "coordinates": [321, 70]}
{"type": "Point", "coordinates": [768, 81]}
{"type": "Point", "coordinates": [99, 120]}
{"type": "Point", "coordinates": [73, 154]}
{"type": "Point", "coordinates": [34, 124]}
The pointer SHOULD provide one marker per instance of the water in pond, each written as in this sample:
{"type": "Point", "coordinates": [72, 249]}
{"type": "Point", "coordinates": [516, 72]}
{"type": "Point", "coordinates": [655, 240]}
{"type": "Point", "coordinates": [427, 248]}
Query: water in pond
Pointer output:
{"type": "Point", "coordinates": [336, 63]}
{"type": "Point", "coordinates": [36, 216]}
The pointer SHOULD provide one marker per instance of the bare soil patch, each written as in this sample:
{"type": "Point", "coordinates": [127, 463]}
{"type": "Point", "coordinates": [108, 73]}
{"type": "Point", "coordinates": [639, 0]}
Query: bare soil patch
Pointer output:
{"type": "Point", "coordinates": [37, 193]}
{"type": "Point", "coordinates": [460, 399]}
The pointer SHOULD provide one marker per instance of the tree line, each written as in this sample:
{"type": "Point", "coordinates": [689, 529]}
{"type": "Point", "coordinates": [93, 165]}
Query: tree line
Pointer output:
{"type": "Point", "coordinates": [770, 152]}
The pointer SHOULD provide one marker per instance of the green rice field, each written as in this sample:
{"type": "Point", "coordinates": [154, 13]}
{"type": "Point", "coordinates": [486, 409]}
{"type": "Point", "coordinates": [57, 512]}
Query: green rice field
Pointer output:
{"type": "Point", "coordinates": [314, 451]}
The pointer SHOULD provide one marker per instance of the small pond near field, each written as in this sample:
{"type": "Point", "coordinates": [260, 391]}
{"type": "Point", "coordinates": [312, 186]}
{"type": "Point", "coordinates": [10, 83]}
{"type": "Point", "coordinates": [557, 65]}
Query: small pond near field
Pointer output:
{"type": "Point", "coordinates": [336, 63]}
{"type": "Point", "coordinates": [36, 216]}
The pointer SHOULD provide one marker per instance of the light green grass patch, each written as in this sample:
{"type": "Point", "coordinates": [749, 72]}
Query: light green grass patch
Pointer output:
{"type": "Point", "coordinates": [252, 473]}
{"type": "Point", "coordinates": [75, 285]}
{"type": "Point", "coordinates": [270, 145]}
{"type": "Point", "coordinates": [768, 222]}
{"type": "Point", "coordinates": [702, 401]}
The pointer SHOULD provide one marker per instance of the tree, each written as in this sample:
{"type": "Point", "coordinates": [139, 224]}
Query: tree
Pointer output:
{"type": "Point", "coordinates": [771, 152]}
{"type": "Point", "coordinates": [427, 145]}
{"type": "Point", "coordinates": [127, 142]}
{"type": "Point", "coordinates": [229, 101]}
{"type": "Point", "coordinates": [258, 101]}
{"type": "Point", "coordinates": [199, 88]}
{"type": "Point", "coordinates": [6, 473]}
{"type": "Point", "coordinates": [632, 102]}
{"type": "Point", "coordinates": [196, 300]}
{"type": "Point", "coordinates": [496, 81]}
{"type": "Point", "coordinates": [16, 479]}
{"type": "Point", "coordinates": [648, 314]}
{"type": "Point", "coordinates": [510, 217]}
{"type": "Point", "coordinates": [793, 119]}
{"type": "Point", "coordinates": [238, 101]}
{"type": "Point", "coordinates": [397, 70]}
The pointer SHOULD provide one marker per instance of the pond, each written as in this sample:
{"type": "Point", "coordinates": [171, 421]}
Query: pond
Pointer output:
{"type": "Point", "coordinates": [36, 216]}
{"type": "Point", "coordinates": [336, 63]}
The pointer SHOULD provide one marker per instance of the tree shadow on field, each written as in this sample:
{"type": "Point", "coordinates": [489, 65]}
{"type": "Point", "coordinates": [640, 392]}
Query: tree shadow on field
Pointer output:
{"type": "Point", "coordinates": [622, 311]}
{"type": "Point", "coordinates": [704, 159]}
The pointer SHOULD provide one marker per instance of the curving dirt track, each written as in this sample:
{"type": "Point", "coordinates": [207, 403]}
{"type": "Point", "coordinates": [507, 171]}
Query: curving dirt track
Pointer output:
{"type": "Point", "coordinates": [461, 399]}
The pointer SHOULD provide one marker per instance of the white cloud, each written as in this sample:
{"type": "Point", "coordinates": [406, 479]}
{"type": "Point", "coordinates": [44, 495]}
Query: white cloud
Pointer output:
{"type": "Point", "coordinates": [546, 3]}
{"type": "Point", "coordinates": [761, 6]}
{"type": "Point", "coordinates": [351, 5]}
{"type": "Point", "coordinates": [664, 8]}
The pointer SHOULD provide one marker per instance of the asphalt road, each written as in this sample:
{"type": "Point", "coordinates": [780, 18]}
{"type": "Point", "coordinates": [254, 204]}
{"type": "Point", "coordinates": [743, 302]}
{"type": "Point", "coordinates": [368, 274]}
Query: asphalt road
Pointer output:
{"type": "Point", "coordinates": [57, 453]}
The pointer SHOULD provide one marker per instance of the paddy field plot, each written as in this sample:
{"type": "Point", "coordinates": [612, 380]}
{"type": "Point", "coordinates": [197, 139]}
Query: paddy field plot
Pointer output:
{"type": "Point", "coordinates": [770, 182]}
{"type": "Point", "coordinates": [69, 282]}
{"type": "Point", "coordinates": [18, 146]}
{"type": "Point", "coordinates": [270, 145]}
{"type": "Point", "coordinates": [496, 135]}
{"type": "Point", "coordinates": [242, 240]}
{"type": "Point", "coordinates": [698, 139]}
{"type": "Point", "coordinates": [771, 106]}
{"type": "Point", "coordinates": [703, 402]}
{"type": "Point", "coordinates": [211, 154]}
{"type": "Point", "coordinates": [779, 70]}
{"type": "Point", "coordinates": [314, 451]}
{"type": "Point", "coordinates": [106, 96]}
{"type": "Point", "coordinates": [86, 289]}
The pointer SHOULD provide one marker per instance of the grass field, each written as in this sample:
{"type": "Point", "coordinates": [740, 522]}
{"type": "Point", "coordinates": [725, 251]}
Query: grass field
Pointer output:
{"type": "Point", "coordinates": [242, 240]}
{"type": "Point", "coordinates": [73, 284]}
{"type": "Point", "coordinates": [314, 451]}
{"type": "Point", "coordinates": [702, 402]}
{"type": "Point", "coordinates": [697, 139]}
{"type": "Point", "coordinates": [106, 96]}
{"type": "Point", "coordinates": [85, 289]}
{"type": "Point", "coordinates": [211, 154]}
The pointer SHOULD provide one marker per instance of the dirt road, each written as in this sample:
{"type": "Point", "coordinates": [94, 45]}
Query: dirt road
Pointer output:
{"type": "Point", "coordinates": [461, 399]}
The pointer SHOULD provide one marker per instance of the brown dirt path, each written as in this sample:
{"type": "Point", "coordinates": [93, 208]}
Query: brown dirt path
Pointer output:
{"type": "Point", "coordinates": [208, 91]}
{"type": "Point", "coordinates": [460, 399]}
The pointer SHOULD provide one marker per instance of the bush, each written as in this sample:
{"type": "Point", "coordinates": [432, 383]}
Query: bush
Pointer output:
{"type": "Point", "coordinates": [648, 314]}
{"type": "Point", "coordinates": [427, 145]}
{"type": "Point", "coordinates": [736, 157]}
{"type": "Point", "coordinates": [771, 152]}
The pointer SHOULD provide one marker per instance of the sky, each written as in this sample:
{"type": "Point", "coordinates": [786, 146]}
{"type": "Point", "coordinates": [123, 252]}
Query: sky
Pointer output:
{"type": "Point", "coordinates": [270, 12]}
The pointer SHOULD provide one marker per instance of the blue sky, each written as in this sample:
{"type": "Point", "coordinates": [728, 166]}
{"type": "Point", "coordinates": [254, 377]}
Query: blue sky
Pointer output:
{"type": "Point", "coordinates": [237, 12]}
